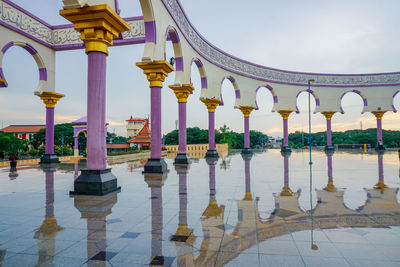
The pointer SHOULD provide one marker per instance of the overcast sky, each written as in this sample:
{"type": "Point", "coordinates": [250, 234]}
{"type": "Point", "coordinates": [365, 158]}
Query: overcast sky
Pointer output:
{"type": "Point", "coordinates": [352, 36]}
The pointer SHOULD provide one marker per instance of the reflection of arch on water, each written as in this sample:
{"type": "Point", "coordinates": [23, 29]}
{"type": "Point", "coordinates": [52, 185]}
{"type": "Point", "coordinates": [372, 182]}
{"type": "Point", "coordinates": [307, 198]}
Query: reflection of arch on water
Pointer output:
{"type": "Point", "coordinates": [80, 126]}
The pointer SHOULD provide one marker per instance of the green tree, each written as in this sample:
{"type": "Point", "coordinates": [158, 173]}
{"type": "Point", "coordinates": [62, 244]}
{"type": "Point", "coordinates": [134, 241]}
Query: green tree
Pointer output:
{"type": "Point", "coordinates": [10, 144]}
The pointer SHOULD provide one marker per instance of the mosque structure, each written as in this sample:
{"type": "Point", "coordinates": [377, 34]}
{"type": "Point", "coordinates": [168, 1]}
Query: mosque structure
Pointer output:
{"type": "Point", "coordinates": [97, 25]}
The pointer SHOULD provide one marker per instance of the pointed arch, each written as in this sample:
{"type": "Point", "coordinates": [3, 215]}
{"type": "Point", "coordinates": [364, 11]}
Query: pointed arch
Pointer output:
{"type": "Point", "coordinates": [365, 101]}
{"type": "Point", "coordinates": [274, 96]}
{"type": "Point", "coordinates": [235, 86]}
{"type": "Point", "coordinates": [203, 75]}
{"type": "Point", "coordinates": [316, 98]}
{"type": "Point", "coordinates": [38, 59]}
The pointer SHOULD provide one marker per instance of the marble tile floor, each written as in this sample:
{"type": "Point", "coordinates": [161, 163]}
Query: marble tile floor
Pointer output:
{"type": "Point", "coordinates": [238, 211]}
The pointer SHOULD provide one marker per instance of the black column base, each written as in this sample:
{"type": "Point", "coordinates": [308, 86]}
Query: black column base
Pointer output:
{"type": "Point", "coordinates": [286, 149]}
{"type": "Point", "coordinates": [247, 156]}
{"type": "Point", "coordinates": [380, 148]}
{"type": "Point", "coordinates": [286, 153]}
{"type": "Point", "coordinates": [247, 151]}
{"type": "Point", "coordinates": [211, 154]}
{"type": "Point", "coordinates": [155, 166]}
{"type": "Point", "coordinates": [329, 148]}
{"type": "Point", "coordinates": [49, 158]}
{"type": "Point", "coordinates": [181, 158]}
{"type": "Point", "coordinates": [95, 182]}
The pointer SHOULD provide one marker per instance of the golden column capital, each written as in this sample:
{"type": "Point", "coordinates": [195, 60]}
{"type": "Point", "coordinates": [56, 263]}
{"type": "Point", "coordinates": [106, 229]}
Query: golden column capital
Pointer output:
{"type": "Point", "coordinates": [378, 114]}
{"type": "Point", "coordinates": [285, 113]}
{"type": "Point", "coordinates": [98, 26]}
{"type": "Point", "coordinates": [211, 103]}
{"type": "Point", "coordinates": [182, 92]}
{"type": "Point", "coordinates": [156, 71]}
{"type": "Point", "coordinates": [246, 110]}
{"type": "Point", "coordinates": [50, 98]}
{"type": "Point", "coordinates": [328, 114]}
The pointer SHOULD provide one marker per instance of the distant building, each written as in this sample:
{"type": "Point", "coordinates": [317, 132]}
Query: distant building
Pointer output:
{"type": "Point", "coordinates": [24, 132]}
{"type": "Point", "coordinates": [115, 148]}
{"type": "Point", "coordinates": [143, 138]}
{"type": "Point", "coordinates": [134, 126]}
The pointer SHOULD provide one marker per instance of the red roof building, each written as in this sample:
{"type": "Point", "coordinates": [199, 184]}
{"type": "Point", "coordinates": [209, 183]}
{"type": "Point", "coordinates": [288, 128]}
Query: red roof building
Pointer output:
{"type": "Point", "coordinates": [113, 148]}
{"type": "Point", "coordinates": [143, 139]}
{"type": "Point", "coordinates": [24, 132]}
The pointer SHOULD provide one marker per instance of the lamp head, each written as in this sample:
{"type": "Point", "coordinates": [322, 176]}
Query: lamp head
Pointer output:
{"type": "Point", "coordinates": [311, 80]}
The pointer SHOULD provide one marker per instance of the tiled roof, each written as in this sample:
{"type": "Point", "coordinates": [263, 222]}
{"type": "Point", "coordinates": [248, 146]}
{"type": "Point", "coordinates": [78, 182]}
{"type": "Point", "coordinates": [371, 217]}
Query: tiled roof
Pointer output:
{"type": "Point", "coordinates": [23, 128]}
{"type": "Point", "coordinates": [143, 136]}
{"type": "Point", "coordinates": [118, 145]}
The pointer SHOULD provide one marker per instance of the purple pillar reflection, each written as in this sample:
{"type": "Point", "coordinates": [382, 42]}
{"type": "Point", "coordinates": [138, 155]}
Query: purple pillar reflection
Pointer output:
{"type": "Point", "coordinates": [330, 176]}
{"type": "Point", "coordinates": [156, 221]}
{"type": "Point", "coordinates": [49, 194]}
{"type": "Point", "coordinates": [247, 175]}
{"type": "Point", "coordinates": [328, 132]}
{"type": "Point", "coordinates": [76, 143]}
{"type": "Point", "coordinates": [182, 127]}
{"type": "Point", "coordinates": [96, 111]}
{"type": "Point", "coordinates": [182, 198]}
{"type": "Point", "coordinates": [155, 113]}
{"type": "Point", "coordinates": [211, 173]}
{"type": "Point", "coordinates": [286, 171]}
{"type": "Point", "coordinates": [380, 167]}
{"type": "Point", "coordinates": [211, 130]}
{"type": "Point", "coordinates": [285, 132]}
{"type": "Point", "coordinates": [246, 132]}
{"type": "Point", "coordinates": [49, 131]}
{"type": "Point", "coordinates": [379, 131]}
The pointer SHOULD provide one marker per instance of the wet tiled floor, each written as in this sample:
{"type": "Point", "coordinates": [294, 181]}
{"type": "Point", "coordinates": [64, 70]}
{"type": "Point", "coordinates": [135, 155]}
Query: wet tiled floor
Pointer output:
{"type": "Point", "coordinates": [239, 211]}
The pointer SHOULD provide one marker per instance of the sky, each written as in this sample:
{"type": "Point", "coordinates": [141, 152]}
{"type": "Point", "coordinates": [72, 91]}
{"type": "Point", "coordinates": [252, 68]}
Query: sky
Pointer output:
{"type": "Point", "coordinates": [341, 36]}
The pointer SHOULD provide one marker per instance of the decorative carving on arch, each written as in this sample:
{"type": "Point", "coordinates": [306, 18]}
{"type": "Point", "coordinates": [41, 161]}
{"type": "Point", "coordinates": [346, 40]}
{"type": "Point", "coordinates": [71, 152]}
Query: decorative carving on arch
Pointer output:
{"type": "Point", "coordinates": [254, 71]}
{"type": "Point", "coordinates": [365, 101]}
{"type": "Point", "coordinates": [316, 98]}
{"type": "Point", "coordinates": [38, 59]}
{"type": "Point", "coordinates": [203, 75]}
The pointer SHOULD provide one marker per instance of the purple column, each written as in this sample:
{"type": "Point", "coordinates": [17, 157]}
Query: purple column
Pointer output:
{"type": "Point", "coordinates": [182, 127]}
{"type": "Point", "coordinates": [155, 114]}
{"type": "Point", "coordinates": [330, 176]}
{"type": "Point", "coordinates": [247, 175]}
{"type": "Point", "coordinates": [329, 132]}
{"type": "Point", "coordinates": [285, 132]}
{"type": "Point", "coordinates": [211, 130]}
{"type": "Point", "coordinates": [49, 131]}
{"type": "Point", "coordinates": [211, 173]}
{"type": "Point", "coordinates": [96, 111]}
{"type": "Point", "coordinates": [76, 143]}
{"type": "Point", "coordinates": [286, 171]}
{"type": "Point", "coordinates": [246, 132]}
{"type": "Point", "coordinates": [379, 131]}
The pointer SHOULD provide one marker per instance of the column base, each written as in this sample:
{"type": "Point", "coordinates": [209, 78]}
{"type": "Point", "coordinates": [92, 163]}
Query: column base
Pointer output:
{"type": "Point", "coordinates": [286, 149]}
{"type": "Point", "coordinates": [155, 166]}
{"type": "Point", "coordinates": [246, 156]}
{"type": "Point", "coordinates": [246, 151]}
{"type": "Point", "coordinates": [329, 148]}
{"type": "Point", "coordinates": [181, 158]}
{"type": "Point", "coordinates": [380, 148]}
{"type": "Point", "coordinates": [286, 153]}
{"type": "Point", "coordinates": [49, 158]}
{"type": "Point", "coordinates": [95, 182]}
{"type": "Point", "coordinates": [211, 153]}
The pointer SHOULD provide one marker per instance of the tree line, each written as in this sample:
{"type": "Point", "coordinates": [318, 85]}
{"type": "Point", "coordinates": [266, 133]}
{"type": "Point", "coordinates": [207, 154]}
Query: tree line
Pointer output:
{"type": "Point", "coordinates": [390, 138]}
{"type": "Point", "coordinates": [223, 135]}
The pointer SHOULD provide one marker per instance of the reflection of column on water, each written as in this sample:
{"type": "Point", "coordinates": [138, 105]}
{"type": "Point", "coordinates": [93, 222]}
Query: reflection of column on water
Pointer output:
{"type": "Point", "coordinates": [183, 238]}
{"type": "Point", "coordinates": [156, 181]}
{"type": "Point", "coordinates": [381, 183]}
{"type": "Point", "coordinates": [286, 191]}
{"type": "Point", "coordinates": [330, 186]}
{"type": "Point", "coordinates": [212, 218]}
{"type": "Point", "coordinates": [95, 209]}
{"type": "Point", "coordinates": [13, 174]}
{"type": "Point", "coordinates": [247, 158]}
{"type": "Point", "coordinates": [49, 228]}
